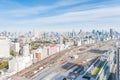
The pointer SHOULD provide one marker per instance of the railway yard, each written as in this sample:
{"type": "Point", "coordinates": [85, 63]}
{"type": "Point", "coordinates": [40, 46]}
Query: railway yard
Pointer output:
{"type": "Point", "coordinates": [70, 63]}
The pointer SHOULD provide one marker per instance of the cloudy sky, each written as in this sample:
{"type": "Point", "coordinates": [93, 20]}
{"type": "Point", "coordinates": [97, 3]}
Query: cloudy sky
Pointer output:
{"type": "Point", "coordinates": [59, 15]}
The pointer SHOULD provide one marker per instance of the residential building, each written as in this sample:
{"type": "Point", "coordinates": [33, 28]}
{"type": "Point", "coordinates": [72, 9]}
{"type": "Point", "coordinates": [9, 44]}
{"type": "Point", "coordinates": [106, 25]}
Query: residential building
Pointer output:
{"type": "Point", "coordinates": [4, 48]}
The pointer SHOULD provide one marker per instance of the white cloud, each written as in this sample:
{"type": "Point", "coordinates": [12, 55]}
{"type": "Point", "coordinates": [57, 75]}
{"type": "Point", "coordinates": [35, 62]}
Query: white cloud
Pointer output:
{"type": "Point", "coordinates": [102, 16]}
{"type": "Point", "coordinates": [86, 20]}
{"type": "Point", "coordinates": [84, 16]}
{"type": "Point", "coordinates": [26, 11]}
{"type": "Point", "coordinates": [70, 2]}
{"type": "Point", "coordinates": [96, 15]}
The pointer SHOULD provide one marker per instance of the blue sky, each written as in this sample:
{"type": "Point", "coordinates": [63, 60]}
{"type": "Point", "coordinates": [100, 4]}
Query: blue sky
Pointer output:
{"type": "Point", "coordinates": [59, 15]}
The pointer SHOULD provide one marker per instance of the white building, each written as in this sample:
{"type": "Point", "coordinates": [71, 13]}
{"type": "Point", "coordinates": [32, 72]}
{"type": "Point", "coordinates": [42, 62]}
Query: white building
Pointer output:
{"type": "Point", "coordinates": [19, 63]}
{"type": "Point", "coordinates": [77, 42]}
{"type": "Point", "coordinates": [36, 34]}
{"type": "Point", "coordinates": [69, 43]}
{"type": "Point", "coordinates": [61, 40]}
{"type": "Point", "coordinates": [86, 41]}
{"type": "Point", "coordinates": [15, 46]}
{"type": "Point", "coordinates": [44, 53]}
{"type": "Point", "coordinates": [37, 54]}
{"type": "Point", "coordinates": [4, 48]}
{"type": "Point", "coordinates": [26, 50]}
{"type": "Point", "coordinates": [91, 41]}
{"type": "Point", "coordinates": [61, 47]}
{"type": "Point", "coordinates": [40, 54]}
{"type": "Point", "coordinates": [54, 48]}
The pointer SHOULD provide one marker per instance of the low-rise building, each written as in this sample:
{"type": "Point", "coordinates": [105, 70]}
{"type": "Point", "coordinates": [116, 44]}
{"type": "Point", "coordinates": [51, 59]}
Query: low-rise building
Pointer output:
{"type": "Point", "coordinates": [77, 42]}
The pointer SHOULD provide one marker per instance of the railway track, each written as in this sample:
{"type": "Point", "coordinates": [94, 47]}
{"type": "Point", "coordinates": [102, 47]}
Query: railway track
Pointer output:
{"type": "Point", "coordinates": [29, 71]}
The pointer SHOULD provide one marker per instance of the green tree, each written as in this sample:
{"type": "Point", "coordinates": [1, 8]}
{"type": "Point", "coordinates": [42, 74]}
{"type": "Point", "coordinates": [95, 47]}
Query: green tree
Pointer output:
{"type": "Point", "coordinates": [13, 53]}
{"type": "Point", "coordinates": [32, 43]}
{"type": "Point", "coordinates": [3, 64]}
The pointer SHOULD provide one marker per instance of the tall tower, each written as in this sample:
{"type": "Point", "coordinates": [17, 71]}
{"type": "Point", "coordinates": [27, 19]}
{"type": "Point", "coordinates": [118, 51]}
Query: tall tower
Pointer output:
{"type": "Point", "coordinates": [73, 33]}
{"type": "Point", "coordinates": [36, 33]}
{"type": "Point", "coordinates": [61, 40]}
{"type": "Point", "coordinates": [112, 33]}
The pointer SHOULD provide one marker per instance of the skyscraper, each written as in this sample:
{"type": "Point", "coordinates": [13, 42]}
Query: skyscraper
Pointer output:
{"type": "Point", "coordinates": [61, 40]}
{"type": "Point", "coordinates": [73, 33]}
{"type": "Point", "coordinates": [111, 33]}
{"type": "Point", "coordinates": [36, 33]}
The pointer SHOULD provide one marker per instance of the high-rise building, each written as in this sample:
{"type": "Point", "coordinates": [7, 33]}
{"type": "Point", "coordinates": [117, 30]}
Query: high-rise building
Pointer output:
{"type": "Point", "coordinates": [45, 36]}
{"type": "Point", "coordinates": [80, 31]}
{"type": "Point", "coordinates": [36, 34]}
{"type": "Point", "coordinates": [4, 48]}
{"type": "Point", "coordinates": [61, 40]}
{"type": "Point", "coordinates": [16, 46]}
{"type": "Point", "coordinates": [73, 33]}
{"type": "Point", "coordinates": [26, 50]}
{"type": "Point", "coordinates": [111, 33]}
{"type": "Point", "coordinates": [93, 31]}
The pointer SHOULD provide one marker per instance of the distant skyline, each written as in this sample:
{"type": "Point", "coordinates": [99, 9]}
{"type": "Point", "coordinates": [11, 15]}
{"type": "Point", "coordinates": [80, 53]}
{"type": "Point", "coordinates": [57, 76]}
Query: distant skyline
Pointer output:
{"type": "Point", "coordinates": [59, 15]}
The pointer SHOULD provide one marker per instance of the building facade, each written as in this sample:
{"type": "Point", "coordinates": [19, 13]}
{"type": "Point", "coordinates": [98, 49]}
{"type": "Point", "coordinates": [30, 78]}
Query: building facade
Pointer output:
{"type": "Point", "coordinates": [4, 48]}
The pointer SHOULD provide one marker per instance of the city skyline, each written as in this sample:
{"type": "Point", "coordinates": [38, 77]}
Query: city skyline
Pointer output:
{"type": "Point", "coordinates": [59, 15]}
